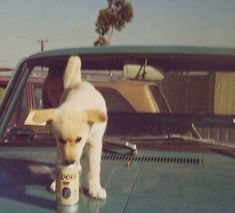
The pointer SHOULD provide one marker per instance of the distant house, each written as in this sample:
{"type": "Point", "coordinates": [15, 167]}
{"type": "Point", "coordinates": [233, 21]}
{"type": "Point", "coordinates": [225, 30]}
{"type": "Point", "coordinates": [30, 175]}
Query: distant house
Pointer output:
{"type": "Point", "coordinates": [2, 69]}
{"type": "Point", "coordinates": [5, 74]}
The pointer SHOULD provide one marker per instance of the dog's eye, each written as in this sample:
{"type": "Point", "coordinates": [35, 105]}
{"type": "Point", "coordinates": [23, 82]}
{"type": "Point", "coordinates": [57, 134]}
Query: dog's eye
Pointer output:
{"type": "Point", "coordinates": [78, 139]}
{"type": "Point", "coordinates": [61, 140]}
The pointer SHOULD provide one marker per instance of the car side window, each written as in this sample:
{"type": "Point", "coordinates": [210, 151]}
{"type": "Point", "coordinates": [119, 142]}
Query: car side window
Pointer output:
{"type": "Point", "coordinates": [160, 99]}
{"type": "Point", "coordinates": [38, 97]}
{"type": "Point", "coordinates": [115, 101]}
{"type": "Point", "coordinates": [2, 90]}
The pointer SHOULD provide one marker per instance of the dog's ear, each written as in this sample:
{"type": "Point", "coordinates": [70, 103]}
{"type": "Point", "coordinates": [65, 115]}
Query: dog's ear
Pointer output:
{"type": "Point", "coordinates": [40, 117]}
{"type": "Point", "coordinates": [43, 115]}
{"type": "Point", "coordinates": [94, 116]}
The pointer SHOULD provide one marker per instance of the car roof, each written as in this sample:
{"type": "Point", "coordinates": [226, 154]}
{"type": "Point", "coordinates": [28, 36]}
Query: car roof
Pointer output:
{"type": "Point", "coordinates": [165, 57]}
{"type": "Point", "coordinates": [138, 49]}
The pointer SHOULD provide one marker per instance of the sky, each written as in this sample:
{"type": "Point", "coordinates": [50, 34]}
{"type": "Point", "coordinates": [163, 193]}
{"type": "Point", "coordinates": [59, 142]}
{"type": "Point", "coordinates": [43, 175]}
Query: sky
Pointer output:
{"type": "Point", "coordinates": [71, 23]}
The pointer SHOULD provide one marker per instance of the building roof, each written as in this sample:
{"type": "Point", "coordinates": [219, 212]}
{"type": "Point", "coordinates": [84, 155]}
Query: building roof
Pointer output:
{"type": "Point", "coordinates": [3, 69]}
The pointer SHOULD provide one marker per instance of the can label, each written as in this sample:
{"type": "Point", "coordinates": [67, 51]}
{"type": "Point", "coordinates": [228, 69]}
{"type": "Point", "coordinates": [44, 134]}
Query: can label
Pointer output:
{"type": "Point", "coordinates": [67, 184]}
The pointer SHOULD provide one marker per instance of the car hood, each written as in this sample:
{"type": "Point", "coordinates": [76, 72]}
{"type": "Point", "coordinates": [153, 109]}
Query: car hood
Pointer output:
{"type": "Point", "coordinates": [170, 182]}
{"type": "Point", "coordinates": [150, 182]}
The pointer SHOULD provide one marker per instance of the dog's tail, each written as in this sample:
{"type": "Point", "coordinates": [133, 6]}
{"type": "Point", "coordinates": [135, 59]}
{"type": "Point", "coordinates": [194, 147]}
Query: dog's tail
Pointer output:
{"type": "Point", "coordinates": [72, 74]}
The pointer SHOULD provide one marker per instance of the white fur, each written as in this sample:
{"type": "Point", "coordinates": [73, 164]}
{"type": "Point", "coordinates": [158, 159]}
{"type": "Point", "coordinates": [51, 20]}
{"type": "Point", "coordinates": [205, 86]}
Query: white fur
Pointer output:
{"type": "Point", "coordinates": [72, 73]}
{"type": "Point", "coordinates": [82, 114]}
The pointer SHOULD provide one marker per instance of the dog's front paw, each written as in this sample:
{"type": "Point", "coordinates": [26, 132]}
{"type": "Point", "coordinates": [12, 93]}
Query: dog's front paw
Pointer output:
{"type": "Point", "coordinates": [98, 193]}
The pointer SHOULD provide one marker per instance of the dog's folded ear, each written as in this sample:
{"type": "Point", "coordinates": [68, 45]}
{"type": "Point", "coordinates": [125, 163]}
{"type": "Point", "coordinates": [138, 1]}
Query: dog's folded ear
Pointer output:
{"type": "Point", "coordinates": [40, 117]}
{"type": "Point", "coordinates": [94, 116]}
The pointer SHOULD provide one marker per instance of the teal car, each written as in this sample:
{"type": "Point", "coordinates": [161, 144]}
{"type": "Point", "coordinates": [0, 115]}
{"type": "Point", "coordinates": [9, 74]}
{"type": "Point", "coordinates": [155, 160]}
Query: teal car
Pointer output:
{"type": "Point", "coordinates": [178, 159]}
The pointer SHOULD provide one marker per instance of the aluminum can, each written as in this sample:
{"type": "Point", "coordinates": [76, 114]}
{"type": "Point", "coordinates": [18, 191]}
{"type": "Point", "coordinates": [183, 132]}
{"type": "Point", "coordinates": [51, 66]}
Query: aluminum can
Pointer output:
{"type": "Point", "coordinates": [67, 187]}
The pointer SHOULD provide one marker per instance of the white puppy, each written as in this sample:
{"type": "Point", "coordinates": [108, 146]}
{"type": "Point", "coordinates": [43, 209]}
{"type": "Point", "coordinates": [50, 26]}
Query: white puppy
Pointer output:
{"type": "Point", "coordinates": [80, 120]}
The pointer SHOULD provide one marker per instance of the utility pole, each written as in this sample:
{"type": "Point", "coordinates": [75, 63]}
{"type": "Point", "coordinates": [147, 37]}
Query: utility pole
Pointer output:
{"type": "Point", "coordinates": [42, 44]}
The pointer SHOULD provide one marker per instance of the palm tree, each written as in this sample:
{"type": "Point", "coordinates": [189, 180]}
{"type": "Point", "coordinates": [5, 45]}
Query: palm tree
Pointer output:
{"type": "Point", "coordinates": [114, 17]}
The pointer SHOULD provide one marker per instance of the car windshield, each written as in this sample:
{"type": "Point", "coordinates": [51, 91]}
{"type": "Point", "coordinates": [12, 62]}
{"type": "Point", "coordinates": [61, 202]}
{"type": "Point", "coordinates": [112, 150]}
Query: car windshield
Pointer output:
{"type": "Point", "coordinates": [147, 98]}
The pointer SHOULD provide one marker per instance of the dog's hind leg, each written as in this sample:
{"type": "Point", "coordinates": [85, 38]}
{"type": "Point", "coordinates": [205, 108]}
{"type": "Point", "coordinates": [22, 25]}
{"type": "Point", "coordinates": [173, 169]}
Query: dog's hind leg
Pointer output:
{"type": "Point", "coordinates": [94, 163]}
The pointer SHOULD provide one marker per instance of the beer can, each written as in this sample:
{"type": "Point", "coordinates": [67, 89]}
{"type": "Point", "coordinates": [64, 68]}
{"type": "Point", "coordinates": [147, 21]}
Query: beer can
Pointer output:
{"type": "Point", "coordinates": [67, 187]}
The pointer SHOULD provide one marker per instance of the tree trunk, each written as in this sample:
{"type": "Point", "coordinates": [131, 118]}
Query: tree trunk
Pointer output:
{"type": "Point", "coordinates": [110, 35]}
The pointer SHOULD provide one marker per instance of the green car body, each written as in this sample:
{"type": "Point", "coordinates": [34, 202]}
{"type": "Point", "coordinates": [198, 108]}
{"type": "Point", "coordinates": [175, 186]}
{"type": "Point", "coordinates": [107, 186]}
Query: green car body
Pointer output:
{"type": "Point", "coordinates": [176, 160]}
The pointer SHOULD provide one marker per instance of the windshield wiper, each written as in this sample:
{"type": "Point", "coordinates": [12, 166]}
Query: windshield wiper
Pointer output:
{"type": "Point", "coordinates": [220, 145]}
{"type": "Point", "coordinates": [120, 143]}
{"type": "Point", "coordinates": [17, 133]}
{"type": "Point", "coordinates": [26, 135]}
{"type": "Point", "coordinates": [194, 137]}
{"type": "Point", "coordinates": [206, 141]}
